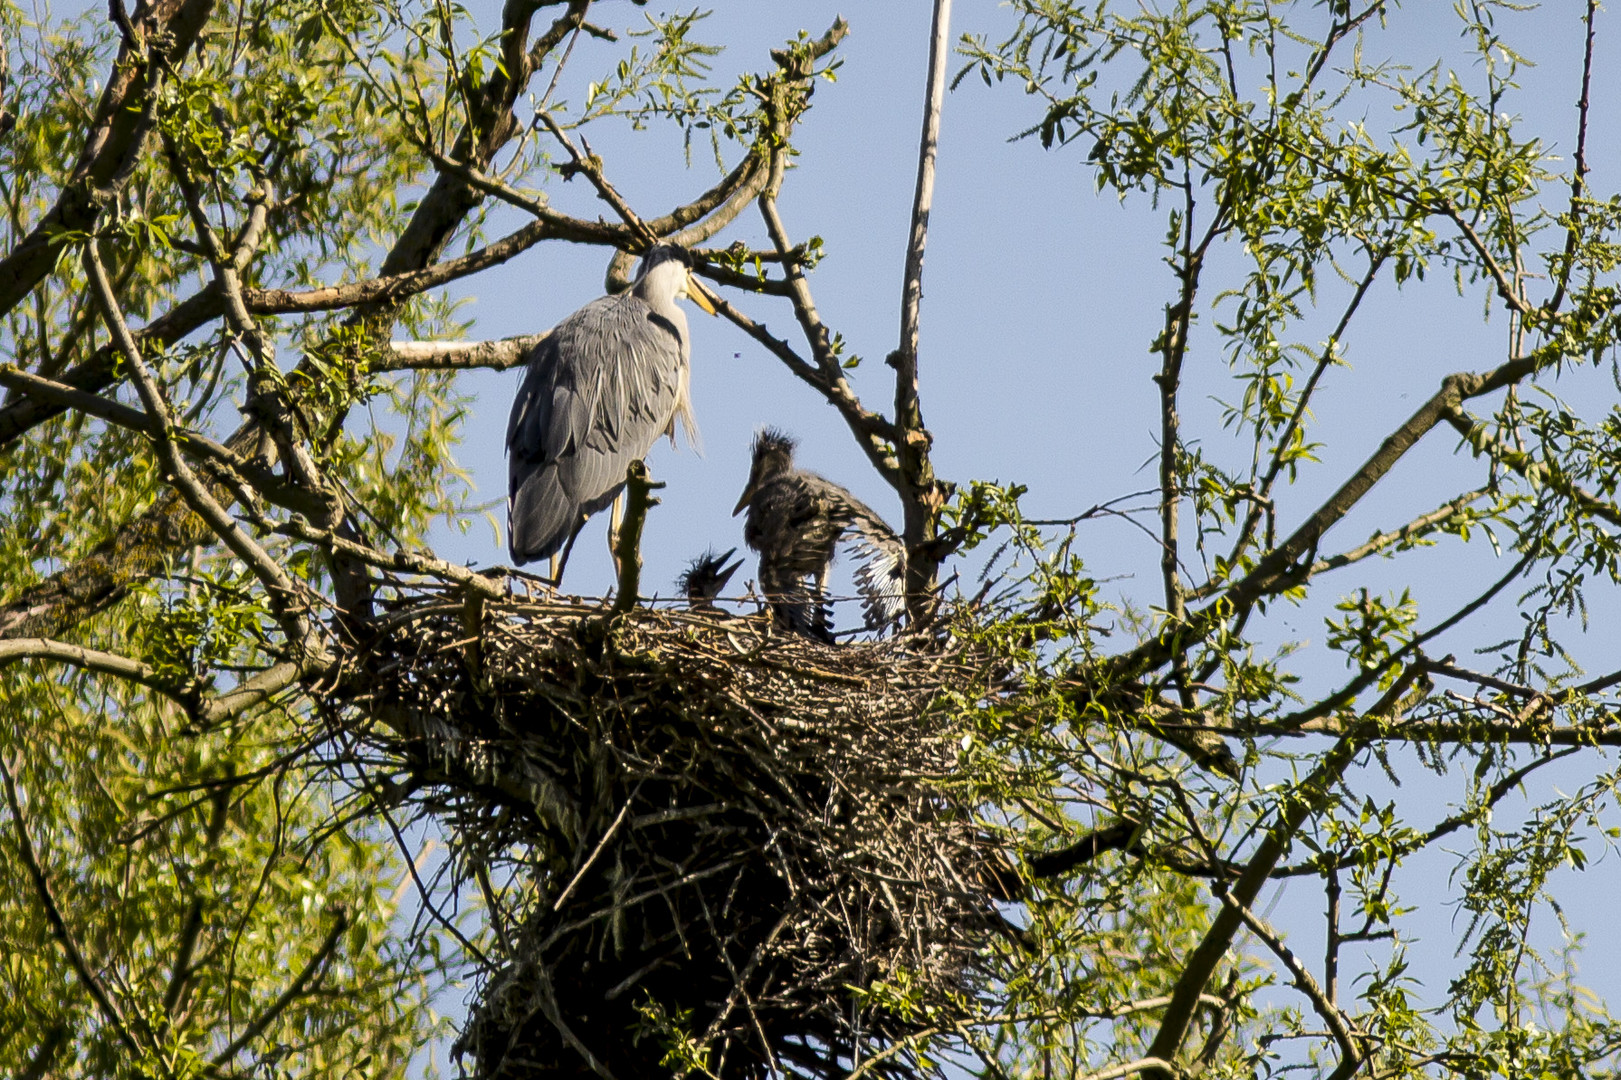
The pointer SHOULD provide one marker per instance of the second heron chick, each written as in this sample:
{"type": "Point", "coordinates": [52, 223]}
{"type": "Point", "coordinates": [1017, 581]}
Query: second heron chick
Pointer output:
{"type": "Point", "coordinates": [705, 578]}
{"type": "Point", "coordinates": [796, 521]}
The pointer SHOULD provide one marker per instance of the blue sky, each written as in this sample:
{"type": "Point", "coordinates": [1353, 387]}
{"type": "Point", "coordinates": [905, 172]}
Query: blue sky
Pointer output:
{"type": "Point", "coordinates": [1041, 301]}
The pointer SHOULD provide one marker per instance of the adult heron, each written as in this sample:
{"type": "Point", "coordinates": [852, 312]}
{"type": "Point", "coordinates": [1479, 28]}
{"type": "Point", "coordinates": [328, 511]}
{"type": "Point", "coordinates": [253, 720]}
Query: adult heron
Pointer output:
{"type": "Point", "coordinates": [796, 520]}
{"type": "Point", "coordinates": [704, 578]}
{"type": "Point", "coordinates": [599, 391]}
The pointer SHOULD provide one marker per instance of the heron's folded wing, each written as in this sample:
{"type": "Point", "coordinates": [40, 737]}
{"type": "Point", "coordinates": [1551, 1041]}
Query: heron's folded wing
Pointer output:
{"type": "Point", "coordinates": [632, 385]}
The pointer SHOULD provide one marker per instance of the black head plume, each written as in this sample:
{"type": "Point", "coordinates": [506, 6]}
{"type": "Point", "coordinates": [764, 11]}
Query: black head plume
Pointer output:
{"type": "Point", "coordinates": [706, 576]}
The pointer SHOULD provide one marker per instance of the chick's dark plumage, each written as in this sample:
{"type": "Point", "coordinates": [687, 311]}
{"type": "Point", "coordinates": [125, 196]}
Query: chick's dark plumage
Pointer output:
{"type": "Point", "coordinates": [796, 521]}
{"type": "Point", "coordinates": [705, 578]}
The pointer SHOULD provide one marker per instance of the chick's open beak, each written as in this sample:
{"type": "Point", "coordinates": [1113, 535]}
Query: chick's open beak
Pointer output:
{"type": "Point", "coordinates": [699, 294]}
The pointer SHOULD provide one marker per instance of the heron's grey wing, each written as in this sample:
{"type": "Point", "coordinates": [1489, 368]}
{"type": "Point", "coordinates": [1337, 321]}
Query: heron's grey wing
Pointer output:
{"type": "Point", "coordinates": [596, 396]}
{"type": "Point", "coordinates": [540, 513]}
{"type": "Point", "coordinates": [624, 395]}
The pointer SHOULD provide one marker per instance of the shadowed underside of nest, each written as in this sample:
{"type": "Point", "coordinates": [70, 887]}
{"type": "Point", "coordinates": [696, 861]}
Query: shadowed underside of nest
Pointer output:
{"type": "Point", "coordinates": [723, 847]}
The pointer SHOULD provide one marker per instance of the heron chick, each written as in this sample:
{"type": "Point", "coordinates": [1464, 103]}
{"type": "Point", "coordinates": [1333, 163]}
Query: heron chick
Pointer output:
{"type": "Point", "coordinates": [598, 392]}
{"type": "Point", "coordinates": [796, 521]}
{"type": "Point", "coordinates": [704, 579]}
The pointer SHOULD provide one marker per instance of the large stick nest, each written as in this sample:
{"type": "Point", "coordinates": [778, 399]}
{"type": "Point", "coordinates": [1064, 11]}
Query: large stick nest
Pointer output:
{"type": "Point", "coordinates": [736, 849]}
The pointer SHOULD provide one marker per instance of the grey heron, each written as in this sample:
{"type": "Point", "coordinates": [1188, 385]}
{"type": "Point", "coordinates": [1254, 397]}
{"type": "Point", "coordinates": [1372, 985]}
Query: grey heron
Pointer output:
{"type": "Point", "coordinates": [796, 520]}
{"type": "Point", "coordinates": [599, 391]}
{"type": "Point", "coordinates": [705, 577]}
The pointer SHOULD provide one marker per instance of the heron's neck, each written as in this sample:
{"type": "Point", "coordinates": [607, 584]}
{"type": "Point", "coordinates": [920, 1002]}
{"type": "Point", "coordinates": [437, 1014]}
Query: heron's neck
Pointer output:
{"type": "Point", "coordinates": [659, 285]}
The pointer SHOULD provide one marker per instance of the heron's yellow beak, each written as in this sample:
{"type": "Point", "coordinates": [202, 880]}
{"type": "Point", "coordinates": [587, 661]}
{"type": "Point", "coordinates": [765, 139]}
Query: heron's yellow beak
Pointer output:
{"type": "Point", "coordinates": [742, 503]}
{"type": "Point", "coordinates": [699, 294]}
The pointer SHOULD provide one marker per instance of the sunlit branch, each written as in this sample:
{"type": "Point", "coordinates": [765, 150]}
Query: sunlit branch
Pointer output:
{"type": "Point", "coordinates": [458, 355]}
{"type": "Point", "coordinates": [1419, 526]}
{"type": "Point", "coordinates": [262, 480]}
{"type": "Point", "coordinates": [1286, 436]}
{"type": "Point", "coordinates": [87, 659]}
{"type": "Point", "coordinates": [1538, 473]}
{"type": "Point", "coordinates": [1310, 796]}
{"type": "Point", "coordinates": [1351, 1056]}
{"type": "Point", "coordinates": [1579, 170]}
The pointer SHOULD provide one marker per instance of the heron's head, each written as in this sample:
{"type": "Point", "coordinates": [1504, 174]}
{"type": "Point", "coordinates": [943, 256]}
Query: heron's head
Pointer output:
{"type": "Point", "coordinates": [773, 455]}
{"type": "Point", "coordinates": [669, 266]}
{"type": "Point", "coordinates": [706, 576]}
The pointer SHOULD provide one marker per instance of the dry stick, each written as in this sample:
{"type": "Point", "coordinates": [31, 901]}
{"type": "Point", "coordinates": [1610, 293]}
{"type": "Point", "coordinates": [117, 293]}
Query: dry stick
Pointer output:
{"type": "Point", "coordinates": [619, 820]}
{"type": "Point", "coordinates": [53, 915]}
{"type": "Point", "coordinates": [639, 499]}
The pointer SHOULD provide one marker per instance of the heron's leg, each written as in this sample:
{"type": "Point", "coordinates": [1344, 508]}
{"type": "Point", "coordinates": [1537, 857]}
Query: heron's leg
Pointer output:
{"type": "Point", "coordinates": [560, 562]}
{"type": "Point", "coordinates": [616, 518]}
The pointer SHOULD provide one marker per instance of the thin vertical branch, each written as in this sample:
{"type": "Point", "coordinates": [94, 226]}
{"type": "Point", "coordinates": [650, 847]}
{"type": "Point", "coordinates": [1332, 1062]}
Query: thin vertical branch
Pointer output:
{"type": "Point", "coordinates": [1173, 349]}
{"type": "Point", "coordinates": [922, 203]}
{"type": "Point", "coordinates": [921, 495]}
{"type": "Point", "coordinates": [1578, 176]}
{"type": "Point", "coordinates": [1331, 950]}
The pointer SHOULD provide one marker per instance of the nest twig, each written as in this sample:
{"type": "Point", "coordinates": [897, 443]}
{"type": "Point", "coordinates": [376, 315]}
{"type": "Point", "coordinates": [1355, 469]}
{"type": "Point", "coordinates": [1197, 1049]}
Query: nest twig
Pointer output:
{"type": "Point", "coordinates": [738, 851]}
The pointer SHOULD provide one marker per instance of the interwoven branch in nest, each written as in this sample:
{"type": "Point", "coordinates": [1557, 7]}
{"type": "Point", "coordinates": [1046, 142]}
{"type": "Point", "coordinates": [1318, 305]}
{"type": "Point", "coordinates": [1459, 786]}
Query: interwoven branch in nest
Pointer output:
{"type": "Point", "coordinates": [726, 838]}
